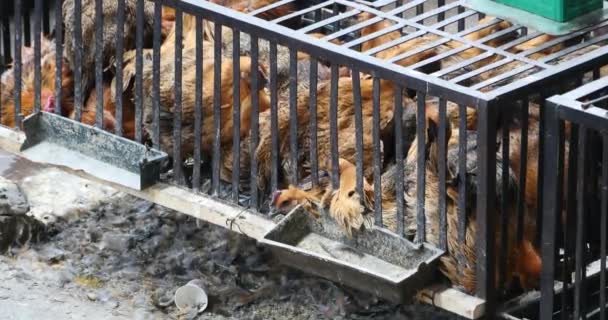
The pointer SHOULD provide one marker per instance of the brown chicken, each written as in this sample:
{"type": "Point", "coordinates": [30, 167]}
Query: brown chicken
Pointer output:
{"type": "Point", "coordinates": [247, 6]}
{"type": "Point", "coordinates": [346, 129]}
{"type": "Point", "coordinates": [89, 113]}
{"type": "Point", "coordinates": [28, 93]}
{"type": "Point", "coordinates": [110, 12]}
{"type": "Point", "coordinates": [167, 98]}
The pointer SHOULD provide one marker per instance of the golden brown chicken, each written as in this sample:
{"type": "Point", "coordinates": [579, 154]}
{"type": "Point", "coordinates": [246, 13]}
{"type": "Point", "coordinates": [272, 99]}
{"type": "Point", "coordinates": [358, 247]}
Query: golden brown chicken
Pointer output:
{"type": "Point", "coordinates": [28, 89]}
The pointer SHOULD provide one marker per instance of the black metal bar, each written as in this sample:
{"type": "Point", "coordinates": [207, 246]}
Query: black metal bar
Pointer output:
{"type": "Point", "coordinates": [293, 114]}
{"type": "Point", "coordinates": [120, 21]}
{"type": "Point", "coordinates": [6, 42]}
{"type": "Point", "coordinates": [333, 127]}
{"type": "Point", "coordinates": [314, 155]}
{"type": "Point", "coordinates": [17, 62]}
{"type": "Point", "coordinates": [46, 20]}
{"type": "Point", "coordinates": [570, 222]}
{"type": "Point", "coordinates": [178, 173]}
{"type": "Point", "coordinates": [27, 36]}
{"type": "Point", "coordinates": [37, 54]}
{"type": "Point", "coordinates": [274, 118]}
{"type": "Point", "coordinates": [461, 22]}
{"type": "Point", "coordinates": [255, 123]}
{"type": "Point", "coordinates": [486, 124]}
{"type": "Point", "coordinates": [462, 168]}
{"type": "Point", "coordinates": [77, 41]}
{"type": "Point", "coordinates": [236, 113]}
{"type": "Point", "coordinates": [99, 61]}
{"type": "Point", "coordinates": [441, 15]}
{"type": "Point", "coordinates": [604, 227]}
{"type": "Point", "coordinates": [442, 167]}
{"type": "Point", "coordinates": [358, 128]}
{"type": "Point", "coordinates": [541, 157]}
{"type": "Point", "coordinates": [377, 157]}
{"type": "Point", "coordinates": [58, 56]}
{"type": "Point", "coordinates": [421, 166]}
{"type": "Point", "coordinates": [156, 75]}
{"type": "Point", "coordinates": [139, 66]}
{"type": "Point", "coordinates": [523, 169]}
{"type": "Point", "coordinates": [198, 106]}
{"type": "Point", "coordinates": [551, 213]}
{"type": "Point", "coordinates": [579, 284]}
{"type": "Point", "coordinates": [504, 207]}
{"type": "Point", "coordinates": [399, 189]}
{"type": "Point", "coordinates": [217, 107]}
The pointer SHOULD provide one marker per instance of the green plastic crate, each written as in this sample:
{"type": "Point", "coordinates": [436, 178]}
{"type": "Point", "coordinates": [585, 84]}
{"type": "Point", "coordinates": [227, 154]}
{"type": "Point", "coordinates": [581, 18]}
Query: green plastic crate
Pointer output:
{"type": "Point", "coordinates": [558, 10]}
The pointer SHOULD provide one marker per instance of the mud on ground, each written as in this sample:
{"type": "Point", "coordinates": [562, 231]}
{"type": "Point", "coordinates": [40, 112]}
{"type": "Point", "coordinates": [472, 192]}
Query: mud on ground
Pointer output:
{"type": "Point", "coordinates": [123, 258]}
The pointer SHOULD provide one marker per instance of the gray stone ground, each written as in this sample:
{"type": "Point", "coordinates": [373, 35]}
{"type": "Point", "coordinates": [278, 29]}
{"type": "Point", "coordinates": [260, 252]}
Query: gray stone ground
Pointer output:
{"type": "Point", "coordinates": [89, 252]}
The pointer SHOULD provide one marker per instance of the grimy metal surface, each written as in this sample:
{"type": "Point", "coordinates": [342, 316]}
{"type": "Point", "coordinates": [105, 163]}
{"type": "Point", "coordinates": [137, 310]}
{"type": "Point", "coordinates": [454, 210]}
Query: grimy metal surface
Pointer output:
{"type": "Point", "coordinates": [501, 91]}
{"type": "Point", "coordinates": [585, 112]}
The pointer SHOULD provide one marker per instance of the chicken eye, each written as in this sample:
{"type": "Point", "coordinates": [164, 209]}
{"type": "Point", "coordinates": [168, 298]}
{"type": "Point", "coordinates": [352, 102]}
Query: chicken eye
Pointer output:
{"type": "Point", "coordinates": [351, 193]}
{"type": "Point", "coordinates": [285, 204]}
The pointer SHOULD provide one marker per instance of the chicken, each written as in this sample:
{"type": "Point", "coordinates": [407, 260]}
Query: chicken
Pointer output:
{"type": "Point", "coordinates": [346, 129]}
{"type": "Point", "coordinates": [247, 6]}
{"type": "Point", "coordinates": [89, 113]}
{"type": "Point", "coordinates": [110, 12]}
{"type": "Point", "coordinates": [312, 198]}
{"type": "Point", "coordinates": [28, 93]}
{"type": "Point", "coordinates": [167, 98]}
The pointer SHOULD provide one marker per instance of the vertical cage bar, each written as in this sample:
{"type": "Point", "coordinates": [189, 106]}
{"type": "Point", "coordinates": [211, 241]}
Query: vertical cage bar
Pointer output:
{"type": "Point", "coordinates": [461, 22]}
{"type": "Point", "coordinates": [486, 255]}
{"type": "Point", "coordinates": [58, 56]}
{"type": "Point", "coordinates": [570, 224]}
{"type": "Point", "coordinates": [139, 66]}
{"type": "Point", "coordinates": [462, 168]}
{"type": "Point", "coordinates": [541, 156]}
{"type": "Point", "coordinates": [27, 36]}
{"type": "Point", "coordinates": [274, 118]}
{"type": "Point", "coordinates": [314, 154]}
{"type": "Point", "coordinates": [356, 79]}
{"type": "Point", "coordinates": [198, 105]}
{"type": "Point", "coordinates": [504, 216]}
{"type": "Point", "coordinates": [156, 75]}
{"type": "Point", "coordinates": [550, 211]}
{"type": "Point", "coordinates": [400, 201]}
{"type": "Point", "coordinates": [441, 15]}
{"type": "Point", "coordinates": [217, 107]}
{"type": "Point", "coordinates": [579, 278]}
{"type": "Point", "coordinates": [17, 62]}
{"type": "Point", "coordinates": [421, 166]}
{"type": "Point", "coordinates": [46, 19]}
{"type": "Point", "coordinates": [177, 106]}
{"type": "Point", "coordinates": [293, 114]}
{"type": "Point", "coordinates": [99, 61]}
{"type": "Point", "coordinates": [523, 165]}
{"type": "Point", "coordinates": [236, 113]}
{"type": "Point", "coordinates": [120, 21]}
{"type": "Point", "coordinates": [333, 127]}
{"type": "Point", "coordinates": [37, 54]}
{"type": "Point", "coordinates": [255, 123]}
{"type": "Point", "coordinates": [604, 227]}
{"type": "Point", "coordinates": [377, 159]}
{"type": "Point", "coordinates": [78, 97]}
{"type": "Point", "coordinates": [442, 167]}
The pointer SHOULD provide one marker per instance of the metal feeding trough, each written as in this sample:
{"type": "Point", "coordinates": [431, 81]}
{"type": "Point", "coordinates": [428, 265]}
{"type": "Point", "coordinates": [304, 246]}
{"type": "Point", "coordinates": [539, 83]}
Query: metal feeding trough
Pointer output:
{"type": "Point", "coordinates": [61, 141]}
{"type": "Point", "coordinates": [375, 261]}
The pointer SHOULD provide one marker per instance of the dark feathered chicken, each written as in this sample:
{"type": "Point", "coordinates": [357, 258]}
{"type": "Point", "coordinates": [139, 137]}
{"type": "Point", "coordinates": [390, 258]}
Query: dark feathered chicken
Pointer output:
{"type": "Point", "coordinates": [110, 12]}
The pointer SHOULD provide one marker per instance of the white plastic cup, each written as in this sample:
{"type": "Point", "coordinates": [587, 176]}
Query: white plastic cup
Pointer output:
{"type": "Point", "coordinates": [191, 295]}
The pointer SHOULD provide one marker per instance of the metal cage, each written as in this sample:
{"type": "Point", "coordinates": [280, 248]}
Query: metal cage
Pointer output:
{"type": "Point", "coordinates": [436, 56]}
{"type": "Point", "coordinates": [576, 199]}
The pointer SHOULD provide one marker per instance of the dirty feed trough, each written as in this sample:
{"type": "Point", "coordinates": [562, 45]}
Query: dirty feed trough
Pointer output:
{"type": "Point", "coordinates": [501, 100]}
